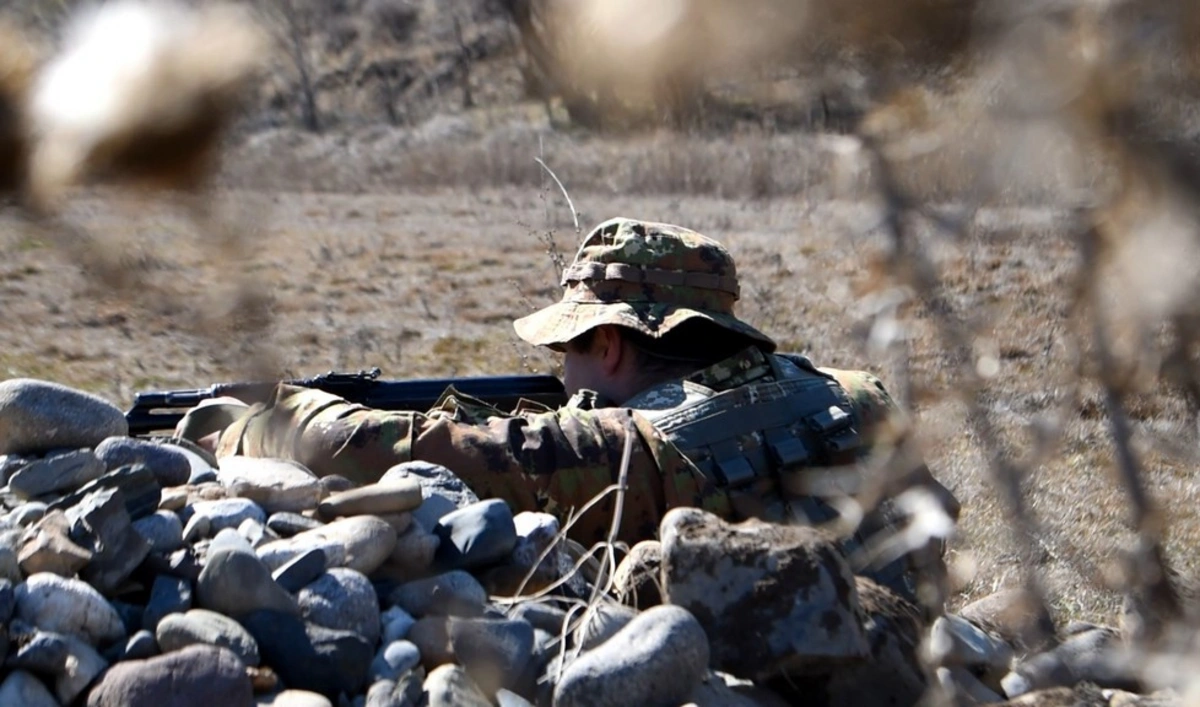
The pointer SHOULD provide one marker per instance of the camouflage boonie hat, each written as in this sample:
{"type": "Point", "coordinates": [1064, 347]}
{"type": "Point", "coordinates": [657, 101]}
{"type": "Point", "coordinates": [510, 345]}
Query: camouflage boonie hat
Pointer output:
{"type": "Point", "coordinates": [650, 277]}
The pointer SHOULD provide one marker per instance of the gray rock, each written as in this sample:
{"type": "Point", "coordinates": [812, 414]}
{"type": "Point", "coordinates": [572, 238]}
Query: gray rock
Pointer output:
{"type": "Point", "coordinates": [396, 622]}
{"type": "Point", "coordinates": [65, 471]}
{"type": "Point", "coordinates": [335, 484]}
{"type": "Point", "coordinates": [394, 660]}
{"type": "Point", "coordinates": [342, 599]}
{"type": "Point", "coordinates": [479, 535]}
{"type": "Point", "coordinates": [27, 514]}
{"type": "Point", "coordinates": [36, 416]}
{"type": "Point", "coordinates": [454, 593]}
{"type": "Point", "coordinates": [955, 641]}
{"type": "Point", "coordinates": [414, 551]}
{"type": "Point", "coordinates": [202, 475]}
{"type": "Point", "coordinates": [140, 646]}
{"type": "Point", "coordinates": [289, 524]}
{"type": "Point", "coordinates": [405, 692]}
{"type": "Point", "coordinates": [495, 652]}
{"type": "Point", "coordinates": [602, 623]}
{"type": "Point", "coordinates": [443, 491]}
{"type": "Point", "coordinates": [1094, 656]}
{"type": "Point", "coordinates": [198, 527]}
{"type": "Point", "coordinates": [359, 543]}
{"type": "Point", "coordinates": [310, 657]}
{"type": "Point", "coordinates": [296, 698]}
{"type": "Point", "coordinates": [197, 676]}
{"type": "Point", "coordinates": [140, 491]}
{"type": "Point", "coordinates": [8, 601]}
{"type": "Point", "coordinates": [224, 513]}
{"type": "Point", "coordinates": [163, 530]}
{"type": "Point", "coordinates": [82, 666]}
{"type": "Point", "coordinates": [21, 688]}
{"type": "Point", "coordinates": [101, 524]}
{"type": "Point", "coordinates": [274, 484]}
{"type": "Point", "coordinates": [47, 547]}
{"type": "Point", "coordinates": [254, 532]}
{"type": "Point", "coordinates": [638, 578]}
{"type": "Point", "coordinates": [382, 498]}
{"type": "Point", "coordinates": [167, 462]}
{"type": "Point", "coordinates": [781, 598]}
{"type": "Point", "coordinates": [200, 626]}
{"type": "Point", "coordinates": [173, 499]}
{"type": "Point", "coordinates": [44, 653]}
{"type": "Point", "coordinates": [235, 584]}
{"type": "Point", "coordinates": [658, 659]}
{"type": "Point", "coordinates": [68, 606]}
{"type": "Point", "coordinates": [300, 571]}
{"type": "Point", "coordinates": [540, 615]}
{"type": "Point", "coordinates": [11, 464]}
{"type": "Point", "coordinates": [451, 686]}
{"type": "Point", "coordinates": [536, 533]}
{"type": "Point", "coordinates": [230, 540]}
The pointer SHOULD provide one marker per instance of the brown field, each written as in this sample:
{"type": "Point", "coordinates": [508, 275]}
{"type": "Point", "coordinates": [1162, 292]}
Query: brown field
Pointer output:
{"type": "Point", "coordinates": [425, 283]}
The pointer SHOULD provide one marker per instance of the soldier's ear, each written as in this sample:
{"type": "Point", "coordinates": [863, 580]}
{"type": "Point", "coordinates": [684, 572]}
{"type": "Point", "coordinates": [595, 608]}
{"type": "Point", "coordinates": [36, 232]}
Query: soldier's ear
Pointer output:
{"type": "Point", "coordinates": [610, 347]}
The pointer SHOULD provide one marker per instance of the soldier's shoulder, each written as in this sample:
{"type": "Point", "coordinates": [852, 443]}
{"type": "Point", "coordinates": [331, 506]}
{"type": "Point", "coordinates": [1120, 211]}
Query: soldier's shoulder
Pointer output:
{"type": "Point", "coordinates": [867, 393]}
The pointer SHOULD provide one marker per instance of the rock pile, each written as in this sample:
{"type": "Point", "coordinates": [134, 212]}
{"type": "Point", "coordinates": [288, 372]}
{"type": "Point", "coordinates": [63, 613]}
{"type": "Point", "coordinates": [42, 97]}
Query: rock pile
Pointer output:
{"type": "Point", "coordinates": [147, 572]}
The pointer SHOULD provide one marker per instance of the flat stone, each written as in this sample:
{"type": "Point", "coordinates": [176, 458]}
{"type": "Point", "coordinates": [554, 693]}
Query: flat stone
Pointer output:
{"type": "Point", "coordinates": [65, 471]}
{"type": "Point", "coordinates": [414, 551]}
{"type": "Point", "coordinates": [359, 543]}
{"type": "Point", "coordinates": [289, 524]}
{"type": "Point", "coordinates": [274, 484]}
{"type": "Point", "coordinates": [342, 599]}
{"type": "Point", "coordinates": [28, 513]}
{"type": "Point", "coordinates": [37, 416]}
{"type": "Point", "coordinates": [82, 666]}
{"type": "Point", "coordinates": [11, 464]}
{"type": "Point", "coordinates": [162, 530]}
{"type": "Point", "coordinates": [47, 547]}
{"type": "Point", "coordinates": [310, 657]}
{"type": "Point", "coordinates": [236, 584]}
{"type": "Point", "coordinates": [782, 598]}
{"type": "Point", "coordinates": [21, 688]}
{"type": "Point", "coordinates": [394, 660]}
{"type": "Point", "coordinates": [224, 513]}
{"type": "Point", "coordinates": [100, 523]}
{"type": "Point", "coordinates": [45, 653]}
{"type": "Point", "coordinates": [479, 535]}
{"type": "Point", "coordinates": [658, 658]}
{"type": "Point", "coordinates": [173, 498]}
{"type": "Point", "coordinates": [442, 490]}
{"type": "Point", "coordinates": [200, 626]}
{"type": "Point", "coordinates": [168, 595]}
{"type": "Point", "coordinates": [196, 676]}
{"type": "Point", "coordinates": [168, 464]}
{"type": "Point", "coordinates": [451, 686]}
{"type": "Point", "coordinates": [300, 571]}
{"type": "Point", "coordinates": [385, 497]}
{"type": "Point", "coordinates": [68, 606]}
{"type": "Point", "coordinates": [139, 489]}
{"type": "Point", "coordinates": [454, 593]}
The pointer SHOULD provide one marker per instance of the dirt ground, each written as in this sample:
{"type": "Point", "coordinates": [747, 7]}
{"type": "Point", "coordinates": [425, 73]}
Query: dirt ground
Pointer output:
{"type": "Point", "coordinates": [143, 295]}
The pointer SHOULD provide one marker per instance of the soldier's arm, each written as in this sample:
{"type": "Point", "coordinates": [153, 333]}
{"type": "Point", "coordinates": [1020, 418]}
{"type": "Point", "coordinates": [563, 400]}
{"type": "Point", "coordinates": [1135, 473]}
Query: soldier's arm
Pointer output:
{"type": "Point", "coordinates": [883, 423]}
{"type": "Point", "coordinates": [553, 461]}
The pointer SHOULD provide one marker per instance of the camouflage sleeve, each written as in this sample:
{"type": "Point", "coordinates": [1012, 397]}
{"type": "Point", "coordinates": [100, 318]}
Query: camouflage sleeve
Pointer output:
{"type": "Point", "coordinates": [883, 424]}
{"type": "Point", "coordinates": [554, 461]}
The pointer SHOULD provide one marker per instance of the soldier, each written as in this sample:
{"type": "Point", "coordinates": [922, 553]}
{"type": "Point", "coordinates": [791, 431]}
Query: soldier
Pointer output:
{"type": "Point", "coordinates": [654, 355]}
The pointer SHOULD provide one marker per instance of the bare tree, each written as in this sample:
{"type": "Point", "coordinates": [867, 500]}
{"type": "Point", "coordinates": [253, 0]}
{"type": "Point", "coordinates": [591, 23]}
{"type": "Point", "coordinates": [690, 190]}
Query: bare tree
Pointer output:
{"type": "Point", "coordinates": [292, 22]}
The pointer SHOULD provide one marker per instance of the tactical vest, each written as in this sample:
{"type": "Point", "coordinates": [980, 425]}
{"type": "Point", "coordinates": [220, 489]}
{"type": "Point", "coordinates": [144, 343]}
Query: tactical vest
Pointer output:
{"type": "Point", "coordinates": [783, 446]}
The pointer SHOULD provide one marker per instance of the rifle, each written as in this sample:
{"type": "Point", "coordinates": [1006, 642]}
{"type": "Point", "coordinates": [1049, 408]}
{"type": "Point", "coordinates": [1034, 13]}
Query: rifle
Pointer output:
{"type": "Point", "coordinates": [158, 411]}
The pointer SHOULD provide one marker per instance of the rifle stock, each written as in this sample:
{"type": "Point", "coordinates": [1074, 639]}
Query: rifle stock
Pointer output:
{"type": "Point", "coordinates": [161, 411]}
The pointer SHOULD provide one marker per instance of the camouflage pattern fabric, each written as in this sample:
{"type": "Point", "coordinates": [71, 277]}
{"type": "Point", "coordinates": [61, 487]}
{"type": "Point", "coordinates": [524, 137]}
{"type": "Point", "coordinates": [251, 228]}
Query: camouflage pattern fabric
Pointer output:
{"type": "Point", "coordinates": [646, 276]}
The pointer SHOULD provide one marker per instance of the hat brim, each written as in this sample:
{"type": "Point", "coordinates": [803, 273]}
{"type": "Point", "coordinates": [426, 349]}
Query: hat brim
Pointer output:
{"type": "Point", "coordinates": [557, 324]}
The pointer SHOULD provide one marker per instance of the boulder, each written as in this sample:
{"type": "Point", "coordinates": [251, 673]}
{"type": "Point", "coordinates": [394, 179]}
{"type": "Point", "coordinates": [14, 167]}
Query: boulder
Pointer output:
{"type": "Point", "coordinates": [169, 464]}
{"type": "Point", "coordinates": [196, 676]}
{"type": "Point", "coordinates": [360, 543]}
{"type": "Point", "coordinates": [37, 416]}
{"type": "Point", "coordinates": [68, 606]}
{"type": "Point", "coordinates": [274, 484]}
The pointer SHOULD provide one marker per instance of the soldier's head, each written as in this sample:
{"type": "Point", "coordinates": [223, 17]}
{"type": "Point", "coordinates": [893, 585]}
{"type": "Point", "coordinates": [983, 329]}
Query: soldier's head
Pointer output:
{"type": "Point", "coordinates": [642, 302]}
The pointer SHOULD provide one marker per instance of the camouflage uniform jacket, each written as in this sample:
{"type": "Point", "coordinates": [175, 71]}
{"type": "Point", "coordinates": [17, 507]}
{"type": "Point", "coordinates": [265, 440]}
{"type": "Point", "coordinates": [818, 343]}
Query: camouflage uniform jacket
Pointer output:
{"type": "Point", "coordinates": [554, 461]}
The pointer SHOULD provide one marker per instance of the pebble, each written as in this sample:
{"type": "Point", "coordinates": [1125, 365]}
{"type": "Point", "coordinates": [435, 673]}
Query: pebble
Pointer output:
{"type": "Point", "coordinates": [360, 543]}
{"type": "Point", "coordinates": [384, 497]}
{"type": "Point", "coordinates": [394, 660]}
{"type": "Point", "coordinates": [173, 498]}
{"type": "Point", "coordinates": [236, 583]}
{"type": "Point", "coordinates": [68, 606]}
{"type": "Point", "coordinates": [163, 530]}
{"type": "Point", "coordinates": [479, 535]}
{"type": "Point", "coordinates": [37, 416]}
{"type": "Point", "coordinates": [454, 593]}
{"type": "Point", "coordinates": [47, 547]}
{"type": "Point", "coordinates": [82, 666]}
{"type": "Point", "coordinates": [275, 484]}
{"type": "Point", "coordinates": [44, 653]}
{"type": "Point", "coordinates": [166, 461]}
{"type": "Point", "coordinates": [224, 513]}
{"type": "Point", "coordinates": [196, 676]}
{"type": "Point", "coordinates": [658, 658]}
{"type": "Point", "coordinates": [21, 688]}
{"type": "Point", "coordinates": [342, 599]}
{"type": "Point", "coordinates": [750, 574]}
{"type": "Point", "coordinates": [442, 490]}
{"type": "Point", "coordinates": [300, 571]}
{"type": "Point", "coordinates": [200, 626]}
{"type": "Point", "coordinates": [65, 471]}
{"type": "Point", "coordinates": [451, 686]}
{"type": "Point", "coordinates": [289, 524]}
